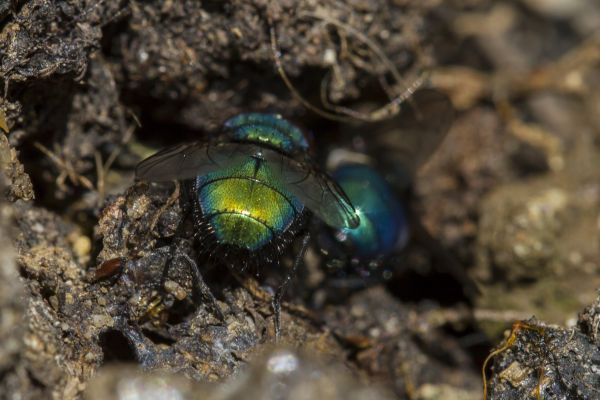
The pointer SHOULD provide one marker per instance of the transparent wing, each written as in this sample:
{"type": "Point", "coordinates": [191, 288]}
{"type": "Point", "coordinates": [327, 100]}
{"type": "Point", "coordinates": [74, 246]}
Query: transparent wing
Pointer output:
{"type": "Point", "coordinates": [186, 161]}
{"type": "Point", "coordinates": [315, 189]}
{"type": "Point", "coordinates": [409, 139]}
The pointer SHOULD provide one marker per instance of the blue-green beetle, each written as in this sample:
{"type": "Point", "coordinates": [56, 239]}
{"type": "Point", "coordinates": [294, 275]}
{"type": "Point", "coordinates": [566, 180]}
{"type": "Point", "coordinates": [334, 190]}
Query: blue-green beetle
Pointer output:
{"type": "Point", "coordinates": [252, 189]}
{"type": "Point", "coordinates": [378, 185]}
{"type": "Point", "coordinates": [384, 225]}
{"type": "Point", "coordinates": [378, 181]}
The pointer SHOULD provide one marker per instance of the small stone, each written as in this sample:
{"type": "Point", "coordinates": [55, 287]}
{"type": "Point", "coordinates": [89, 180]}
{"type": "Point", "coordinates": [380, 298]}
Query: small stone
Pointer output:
{"type": "Point", "coordinates": [101, 320]}
{"type": "Point", "coordinates": [69, 299]}
{"type": "Point", "coordinates": [82, 246]}
{"type": "Point", "coordinates": [515, 374]}
{"type": "Point", "coordinates": [54, 302]}
{"type": "Point", "coordinates": [175, 289]}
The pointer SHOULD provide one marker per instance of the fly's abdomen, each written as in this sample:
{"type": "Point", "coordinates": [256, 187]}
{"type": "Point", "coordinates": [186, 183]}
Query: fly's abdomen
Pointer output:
{"type": "Point", "coordinates": [245, 212]}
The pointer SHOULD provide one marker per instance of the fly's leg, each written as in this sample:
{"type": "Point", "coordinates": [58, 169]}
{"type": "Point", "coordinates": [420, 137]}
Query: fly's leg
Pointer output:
{"type": "Point", "coordinates": [144, 349]}
{"type": "Point", "coordinates": [199, 286]}
{"type": "Point", "coordinates": [202, 287]}
{"type": "Point", "coordinates": [276, 302]}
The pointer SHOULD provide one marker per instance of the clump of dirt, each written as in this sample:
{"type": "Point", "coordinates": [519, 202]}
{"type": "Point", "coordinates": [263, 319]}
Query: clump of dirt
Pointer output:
{"type": "Point", "coordinates": [15, 181]}
{"type": "Point", "coordinates": [549, 362]}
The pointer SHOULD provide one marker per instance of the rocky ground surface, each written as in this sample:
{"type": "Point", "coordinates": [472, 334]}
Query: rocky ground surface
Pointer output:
{"type": "Point", "coordinates": [512, 195]}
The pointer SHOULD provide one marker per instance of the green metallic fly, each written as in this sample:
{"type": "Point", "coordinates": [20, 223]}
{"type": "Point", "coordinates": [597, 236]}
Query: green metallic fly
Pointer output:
{"type": "Point", "coordinates": [253, 190]}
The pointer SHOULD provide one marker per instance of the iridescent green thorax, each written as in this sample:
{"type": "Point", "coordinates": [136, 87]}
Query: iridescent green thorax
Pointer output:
{"type": "Point", "coordinates": [245, 204]}
{"type": "Point", "coordinates": [269, 129]}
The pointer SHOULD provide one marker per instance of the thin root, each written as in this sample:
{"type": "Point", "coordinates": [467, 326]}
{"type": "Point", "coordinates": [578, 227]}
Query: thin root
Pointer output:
{"type": "Point", "coordinates": [512, 338]}
{"type": "Point", "coordinates": [340, 113]}
{"type": "Point", "coordinates": [66, 168]}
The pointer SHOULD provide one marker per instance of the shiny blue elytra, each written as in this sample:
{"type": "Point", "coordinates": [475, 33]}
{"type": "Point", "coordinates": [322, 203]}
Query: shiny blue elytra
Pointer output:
{"type": "Point", "coordinates": [383, 224]}
{"type": "Point", "coordinates": [268, 129]}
